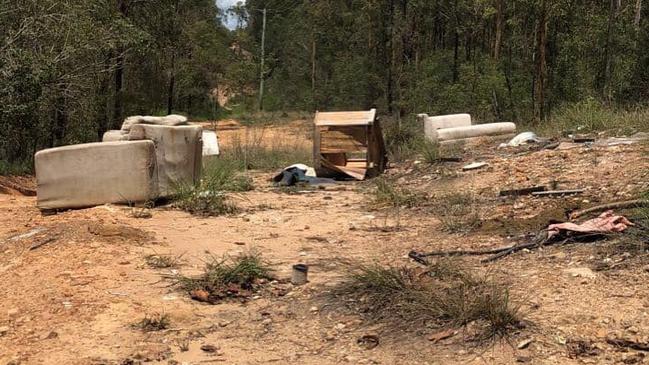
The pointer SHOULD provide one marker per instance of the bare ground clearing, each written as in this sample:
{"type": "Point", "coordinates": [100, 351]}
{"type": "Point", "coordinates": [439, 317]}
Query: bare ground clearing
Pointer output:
{"type": "Point", "coordinates": [74, 298]}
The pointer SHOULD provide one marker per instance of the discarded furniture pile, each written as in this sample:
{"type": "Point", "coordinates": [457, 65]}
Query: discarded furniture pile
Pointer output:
{"type": "Point", "coordinates": [348, 144]}
{"type": "Point", "coordinates": [141, 162]}
{"type": "Point", "coordinates": [457, 127]}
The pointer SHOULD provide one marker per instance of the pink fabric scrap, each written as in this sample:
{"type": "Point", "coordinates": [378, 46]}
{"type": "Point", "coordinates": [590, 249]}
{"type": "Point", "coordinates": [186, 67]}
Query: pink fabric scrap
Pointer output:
{"type": "Point", "coordinates": [607, 222]}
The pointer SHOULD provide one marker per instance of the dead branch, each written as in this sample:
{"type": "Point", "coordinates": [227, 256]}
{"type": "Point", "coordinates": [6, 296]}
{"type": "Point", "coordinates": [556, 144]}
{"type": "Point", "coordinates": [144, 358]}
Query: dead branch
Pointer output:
{"type": "Point", "coordinates": [618, 205]}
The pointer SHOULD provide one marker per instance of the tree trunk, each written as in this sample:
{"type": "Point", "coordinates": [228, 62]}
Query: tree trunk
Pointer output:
{"type": "Point", "coordinates": [541, 64]}
{"type": "Point", "coordinates": [638, 13]}
{"type": "Point", "coordinates": [499, 28]}
{"type": "Point", "coordinates": [172, 81]}
{"type": "Point", "coordinates": [608, 68]}
{"type": "Point", "coordinates": [390, 58]}
{"type": "Point", "coordinates": [118, 107]}
{"type": "Point", "coordinates": [313, 66]}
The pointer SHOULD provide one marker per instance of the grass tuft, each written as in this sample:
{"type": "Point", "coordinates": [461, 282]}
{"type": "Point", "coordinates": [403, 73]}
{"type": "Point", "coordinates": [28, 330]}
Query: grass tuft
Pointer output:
{"type": "Point", "coordinates": [154, 322]}
{"type": "Point", "coordinates": [458, 212]}
{"type": "Point", "coordinates": [162, 261]}
{"type": "Point", "coordinates": [227, 277]}
{"type": "Point", "coordinates": [387, 194]}
{"type": "Point", "coordinates": [208, 197]}
{"type": "Point", "coordinates": [444, 296]}
{"type": "Point", "coordinates": [255, 152]}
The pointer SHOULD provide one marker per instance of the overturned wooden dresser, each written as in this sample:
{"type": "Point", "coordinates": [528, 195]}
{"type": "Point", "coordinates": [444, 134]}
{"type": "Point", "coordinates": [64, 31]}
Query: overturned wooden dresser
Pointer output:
{"type": "Point", "coordinates": [348, 144]}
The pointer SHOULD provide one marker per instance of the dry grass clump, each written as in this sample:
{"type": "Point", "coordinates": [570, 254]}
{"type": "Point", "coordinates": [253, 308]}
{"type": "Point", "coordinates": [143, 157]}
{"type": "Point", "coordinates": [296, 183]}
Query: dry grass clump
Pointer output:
{"type": "Point", "coordinates": [386, 193]}
{"type": "Point", "coordinates": [153, 322]}
{"type": "Point", "coordinates": [157, 261]}
{"type": "Point", "coordinates": [458, 212]}
{"type": "Point", "coordinates": [443, 296]}
{"type": "Point", "coordinates": [227, 277]}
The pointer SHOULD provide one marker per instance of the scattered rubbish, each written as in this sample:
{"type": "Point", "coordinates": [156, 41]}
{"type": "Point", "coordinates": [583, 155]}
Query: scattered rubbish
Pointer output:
{"type": "Point", "coordinates": [522, 191]}
{"type": "Point", "coordinates": [368, 342]}
{"type": "Point", "coordinates": [616, 141]}
{"type": "Point", "coordinates": [348, 143]}
{"type": "Point", "coordinates": [607, 222]}
{"type": "Point", "coordinates": [524, 344]}
{"type": "Point", "coordinates": [436, 337]}
{"type": "Point", "coordinates": [299, 274]}
{"type": "Point", "coordinates": [169, 120]}
{"type": "Point", "coordinates": [210, 144]}
{"type": "Point", "coordinates": [521, 139]}
{"type": "Point", "coordinates": [300, 173]}
{"type": "Point", "coordinates": [474, 166]}
{"type": "Point", "coordinates": [455, 127]}
{"type": "Point", "coordinates": [638, 203]}
{"type": "Point", "coordinates": [143, 161]}
{"type": "Point", "coordinates": [582, 139]}
{"type": "Point", "coordinates": [558, 192]}
{"type": "Point", "coordinates": [554, 234]}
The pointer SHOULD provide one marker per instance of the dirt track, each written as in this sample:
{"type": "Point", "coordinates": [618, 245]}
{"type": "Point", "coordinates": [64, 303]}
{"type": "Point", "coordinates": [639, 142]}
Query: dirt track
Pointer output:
{"type": "Point", "coordinates": [73, 299]}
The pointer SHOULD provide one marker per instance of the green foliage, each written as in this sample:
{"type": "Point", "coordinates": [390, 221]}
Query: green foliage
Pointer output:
{"type": "Point", "coordinates": [251, 152]}
{"type": "Point", "coordinates": [388, 194]}
{"type": "Point", "coordinates": [591, 115]}
{"type": "Point", "coordinates": [208, 196]}
{"type": "Point", "coordinates": [221, 274]}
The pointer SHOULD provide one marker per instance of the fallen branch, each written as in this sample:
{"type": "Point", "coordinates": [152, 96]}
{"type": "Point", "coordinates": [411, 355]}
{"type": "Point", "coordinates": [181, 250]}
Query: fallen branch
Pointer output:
{"type": "Point", "coordinates": [42, 243]}
{"type": "Point", "coordinates": [620, 342]}
{"type": "Point", "coordinates": [558, 192]}
{"type": "Point", "coordinates": [541, 240]}
{"type": "Point", "coordinates": [618, 205]}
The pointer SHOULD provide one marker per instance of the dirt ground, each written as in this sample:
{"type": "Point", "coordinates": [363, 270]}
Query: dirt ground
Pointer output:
{"type": "Point", "coordinates": [72, 284]}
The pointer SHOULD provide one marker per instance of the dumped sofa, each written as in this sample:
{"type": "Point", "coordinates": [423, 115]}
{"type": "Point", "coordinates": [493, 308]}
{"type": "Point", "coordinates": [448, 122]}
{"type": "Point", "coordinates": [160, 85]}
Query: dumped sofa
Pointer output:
{"type": "Point", "coordinates": [142, 161]}
{"type": "Point", "coordinates": [454, 127]}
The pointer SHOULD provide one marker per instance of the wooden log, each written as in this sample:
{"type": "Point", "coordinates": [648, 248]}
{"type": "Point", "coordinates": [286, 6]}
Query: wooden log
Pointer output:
{"type": "Point", "coordinates": [558, 192]}
{"type": "Point", "coordinates": [637, 203]}
{"type": "Point", "coordinates": [522, 191]}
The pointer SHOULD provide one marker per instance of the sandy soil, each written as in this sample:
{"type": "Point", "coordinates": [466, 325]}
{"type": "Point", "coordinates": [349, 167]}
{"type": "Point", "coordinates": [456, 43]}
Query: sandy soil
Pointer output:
{"type": "Point", "coordinates": [74, 283]}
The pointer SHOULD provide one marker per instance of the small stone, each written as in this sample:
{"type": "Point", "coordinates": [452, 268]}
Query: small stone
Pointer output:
{"type": "Point", "coordinates": [525, 343]}
{"type": "Point", "coordinates": [583, 272]}
{"type": "Point", "coordinates": [209, 348]}
{"type": "Point", "coordinates": [340, 326]}
{"type": "Point", "coordinates": [4, 330]}
{"type": "Point", "coordinates": [267, 321]}
{"type": "Point", "coordinates": [313, 309]}
{"type": "Point", "coordinates": [13, 312]}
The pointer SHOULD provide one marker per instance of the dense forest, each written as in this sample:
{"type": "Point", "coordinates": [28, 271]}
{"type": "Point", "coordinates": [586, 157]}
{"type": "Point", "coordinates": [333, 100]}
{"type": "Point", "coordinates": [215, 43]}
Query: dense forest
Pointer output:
{"type": "Point", "coordinates": [71, 69]}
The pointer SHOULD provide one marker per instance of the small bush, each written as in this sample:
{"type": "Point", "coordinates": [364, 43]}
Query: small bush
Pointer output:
{"type": "Point", "coordinates": [225, 175]}
{"type": "Point", "coordinates": [403, 140]}
{"type": "Point", "coordinates": [445, 295]}
{"type": "Point", "coordinates": [208, 196]}
{"type": "Point", "coordinates": [227, 277]}
{"type": "Point", "coordinates": [430, 152]}
{"type": "Point", "coordinates": [154, 322]}
{"type": "Point", "coordinates": [387, 194]}
{"type": "Point", "coordinates": [206, 203]}
{"type": "Point", "coordinates": [16, 168]}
